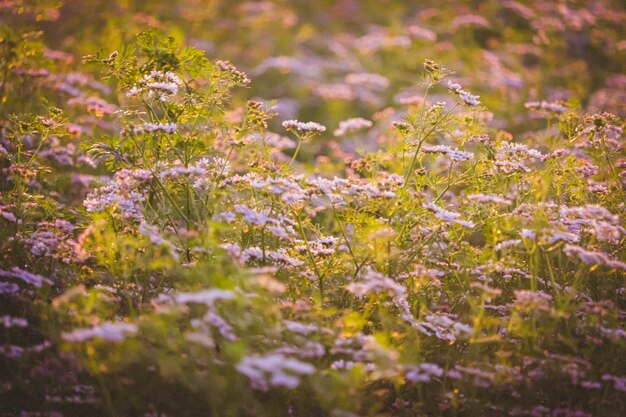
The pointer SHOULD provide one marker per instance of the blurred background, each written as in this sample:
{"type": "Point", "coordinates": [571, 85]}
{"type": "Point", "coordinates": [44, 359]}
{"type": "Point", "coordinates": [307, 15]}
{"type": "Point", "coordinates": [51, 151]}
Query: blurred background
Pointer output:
{"type": "Point", "coordinates": [329, 60]}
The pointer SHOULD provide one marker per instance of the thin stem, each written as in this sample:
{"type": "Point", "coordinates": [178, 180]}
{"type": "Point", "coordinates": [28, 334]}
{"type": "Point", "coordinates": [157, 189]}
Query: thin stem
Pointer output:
{"type": "Point", "coordinates": [345, 238]}
{"type": "Point", "coordinates": [295, 154]}
{"type": "Point", "coordinates": [557, 293]}
{"type": "Point", "coordinates": [311, 259]}
{"type": "Point", "coordinates": [447, 185]}
{"type": "Point", "coordinates": [421, 141]}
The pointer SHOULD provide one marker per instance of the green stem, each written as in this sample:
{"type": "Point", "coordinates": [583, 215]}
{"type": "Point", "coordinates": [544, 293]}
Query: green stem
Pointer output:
{"type": "Point", "coordinates": [295, 154]}
{"type": "Point", "coordinates": [345, 238]}
{"type": "Point", "coordinates": [419, 145]}
{"type": "Point", "coordinates": [320, 279]}
{"type": "Point", "coordinates": [447, 185]}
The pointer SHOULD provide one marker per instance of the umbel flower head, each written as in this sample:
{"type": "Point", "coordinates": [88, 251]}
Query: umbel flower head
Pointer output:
{"type": "Point", "coordinates": [467, 98]}
{"type": "Point", "coordinates": [160, 85]}
{"type": "Point", "coordinates": [303, 127]}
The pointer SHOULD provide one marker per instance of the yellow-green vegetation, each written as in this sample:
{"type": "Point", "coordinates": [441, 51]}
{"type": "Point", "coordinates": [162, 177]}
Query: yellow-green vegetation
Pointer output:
{"type": "Point", "coordinates": [294, 208]}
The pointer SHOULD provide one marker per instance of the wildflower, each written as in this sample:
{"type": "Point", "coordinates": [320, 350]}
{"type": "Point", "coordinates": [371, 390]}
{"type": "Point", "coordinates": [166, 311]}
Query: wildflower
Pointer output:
{"type": "Point", "coordinates": [375, 282]}
{"type": "Point", "coordinates": [213, 320]}
{"type": "Point", "coordinates": [351, 125]}
{"type": "Point", "coordinates": [489, 198]}
{"type": "Point", "coordinates": [251, 252]}
{"type": "Point", "coordinates": [280, 256]}
{"type": "Point", "coordinates": [291, 197]}
{"type": "Point", "coordinates": [446, 215]}
{"type": "Point", "coordinates": [441, 326]}
{"type": "Point", "coordinates": [8, 321]}
{"type": "Point", "coordinates": [564, 236]}
{"type": "Point", "coordinates": [424, 373]}
{"type": "Point", "coordinates": [160, 85]}
{"type": "Point", "coordinates": [121, 195]}
{"type": "Point", "coordinates": [206, 297]}
{"type": "Point", "coordinates": [153, 233]}
{"type": "Point", "coordinates": [597, 219]}
{"type": "Point", "coordinates": [480, 139]}
{"type": "Point", "coordinates": [309, 350]}
{"type": "Point", "coordinates": [54, 243]}
{"type": "Point", "coordinates": [469, 20]}
{"type": "Point", "coordinates": [467, 98]}
{"type": "Point", "coordinates": [619, 383]}
{"type": "Point", "coordinates": [593, 258]}
{"type": "Point", "coordinates": [301, 328]}
{"type": "Point", "coordinates": [7, 215]}
{"type": "Point", "coordinates": [28, 277]}
{"type": "Point", "coordinates": [373, 81]}
{"type": "Point", "coordinates": [274, 369]}
{"type": "Point", "coordinates": [95, 105]}
{"type": "Point", "coordinates": [324, 246]}
{"type": "Point", "coordinates": [108, 331]}
{"type": "Point", "coordinates": [517, 151]}
{"type": "Point", "coordinates": [402, 127]}
{"type": "Point", "coordinates": [254, 217]}
{"type": "Point", "coordinates": [334, 91]}
{"type": "Point", "coordinates": [546, 106]}
{"type": "Point", "coordinates": [454, 154]}
{"type": "Point", "coordinates": [237, 76]}
{"type": "Point", "coordinates": [177, 170]}
{"type": "Point", "coordinates": [284, 231]}
{"type": "Point", "coordinates": [529, 301]}
{"type": "Point", "coordinates": [302, 127]}
{"type": "Point", "coordinates": [485, 289]}
{"type": "Point", "coordinates": [12, 351]}
{"type": "Point", "coordinates": [507, 244]}
{"type": "Point", "coordinates": [227, 216]}
{"type": "Point", "coordinates": [8, 287]}
{"type": "Point", "coordinates": [511, 157]}
{"type": "Point", "coordinates": [422, 33]}
{"type": "Point", "coordinates": [157, 127]}
{"type": "Point", "coordinates": [598, 188]}
{"type": "Point", "coordinates": [479, 377]}
{"type": "Point", "coordinates": [586, 168]}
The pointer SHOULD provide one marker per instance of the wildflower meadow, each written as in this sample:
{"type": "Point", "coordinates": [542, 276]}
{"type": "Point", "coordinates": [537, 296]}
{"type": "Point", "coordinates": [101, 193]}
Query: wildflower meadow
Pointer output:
{"type": "Point", "coordinates": [347, 208]}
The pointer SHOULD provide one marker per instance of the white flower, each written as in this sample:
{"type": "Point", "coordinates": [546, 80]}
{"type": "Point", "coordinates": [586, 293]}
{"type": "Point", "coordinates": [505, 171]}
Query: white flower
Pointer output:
{"type": "Point", "coordinates": [454, 154]}
{"type": "Point", "coordinates": [28, 277]}
{"type": "Point", "coordinates": [207, 297]}
{"type": "Point", "coordinates": [307, 127]}
{"type": "Point", "coordinates": [375, 282]}
{"type": "Point", "coordinates": [108, 331]}
{"type": "Point", "coordinates": [274, 369]}
{"type": "Point", "coordinates": [157, 127]}
{"type": "Point", "coordinates": [488, 198]}
{"type": "Point", "coordinates": [593, 258]}
{"type": "Point", "coordinates": [546, 106]}
{"type": "Point", "coordinates": [447, 216]}
{"type": "Point", "coordinates": [252, 216]}
{"type": "Point", "coordinates": [157, 84]}
{"type": "Point", "coordinates": [468, 98]}
{"type": "Point", "coordinates": [350, 125]}
{"type": "Point", "coordinates": [424, 372]}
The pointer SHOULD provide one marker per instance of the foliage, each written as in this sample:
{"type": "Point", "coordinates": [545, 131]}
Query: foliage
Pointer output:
{"type": "Point", "coordinates": [172, 243]}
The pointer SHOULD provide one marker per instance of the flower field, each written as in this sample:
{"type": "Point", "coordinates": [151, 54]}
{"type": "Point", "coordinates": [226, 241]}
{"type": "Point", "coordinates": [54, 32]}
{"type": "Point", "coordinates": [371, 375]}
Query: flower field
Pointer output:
{"type": "Point", "coordinates": [333, 208]}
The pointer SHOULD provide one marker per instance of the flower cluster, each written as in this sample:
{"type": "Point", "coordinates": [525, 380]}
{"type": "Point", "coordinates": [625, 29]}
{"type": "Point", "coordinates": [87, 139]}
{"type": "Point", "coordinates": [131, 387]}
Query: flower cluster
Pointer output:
{"type": "Point", "coordinates": [467, 98]}
{"type": "Point", "coordinates": [426, 258]}
{"type": "Point", "coordinates": [351, 125]}
{"type": "Point", "coordinates": [303, 127]}
{"type": "Point", "coordinates": [159, 85]}
{"type": "Point", "coordinates": [122, 195]}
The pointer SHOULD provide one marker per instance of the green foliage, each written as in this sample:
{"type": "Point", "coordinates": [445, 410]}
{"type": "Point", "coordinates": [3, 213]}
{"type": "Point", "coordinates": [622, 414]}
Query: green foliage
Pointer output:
{"type": "Point", "coordinates": [167, 247]}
